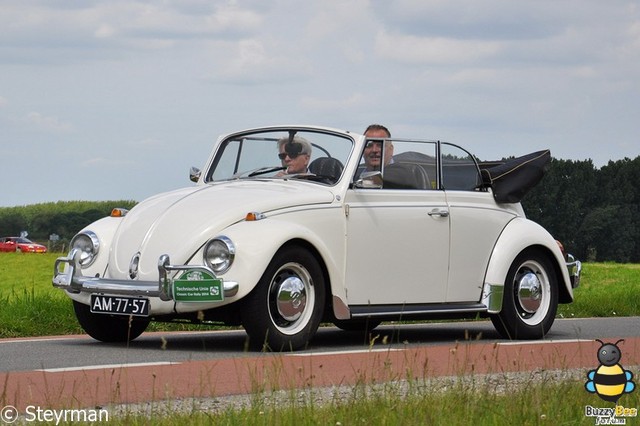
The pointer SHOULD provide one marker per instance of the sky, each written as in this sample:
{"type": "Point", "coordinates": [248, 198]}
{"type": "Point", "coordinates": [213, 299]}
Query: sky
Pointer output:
{"type": "Point", "coordinates": [115, 100]}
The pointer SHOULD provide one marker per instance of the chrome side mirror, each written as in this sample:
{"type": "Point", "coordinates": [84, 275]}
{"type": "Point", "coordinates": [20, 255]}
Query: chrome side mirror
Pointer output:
{"type": "Point", "coordinates": [194, 174]}
{"type": "Point", "coordinates": [369, 180]}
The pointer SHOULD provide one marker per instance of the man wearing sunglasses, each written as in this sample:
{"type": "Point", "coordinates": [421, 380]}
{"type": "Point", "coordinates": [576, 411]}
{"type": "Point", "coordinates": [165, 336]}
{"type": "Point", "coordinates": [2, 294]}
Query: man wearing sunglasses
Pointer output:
{"type": "Point", "coordinates": [373, 150]}
{"type": "Point", "coordinates": [372, 155]}
{"type": "Point", "coordinates": [294, 154]}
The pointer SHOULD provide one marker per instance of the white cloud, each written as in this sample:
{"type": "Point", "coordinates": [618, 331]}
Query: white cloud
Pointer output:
{"type": "Point", "coordinates": [117, 24]}
{"type": "Point", "coordinates": [252, 61]}
{"type": "Point", "coordinates": [434, 50]}
{"type": "Point", "coordinates": [106, 163]}
{"type": "Point", "coordinates": [52, 124]}
{"type": "Point", "coordinates": [355, 101]}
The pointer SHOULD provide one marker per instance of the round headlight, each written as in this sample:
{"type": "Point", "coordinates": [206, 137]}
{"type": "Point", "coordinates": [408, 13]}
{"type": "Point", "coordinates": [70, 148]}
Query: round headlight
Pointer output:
{"type": "Point", "coordinates": [89, 245]}
{"type": "Point", "coordinates": [219, 254]}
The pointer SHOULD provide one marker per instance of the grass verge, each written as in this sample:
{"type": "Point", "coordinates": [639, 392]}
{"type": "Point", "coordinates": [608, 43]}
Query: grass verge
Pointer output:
{"type": "Point", "coordinates": [532, 398]}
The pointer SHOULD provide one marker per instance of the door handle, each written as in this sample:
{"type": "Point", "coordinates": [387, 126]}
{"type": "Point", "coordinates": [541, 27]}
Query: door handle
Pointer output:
{"type": "Point", "coordinates": [439, 212]}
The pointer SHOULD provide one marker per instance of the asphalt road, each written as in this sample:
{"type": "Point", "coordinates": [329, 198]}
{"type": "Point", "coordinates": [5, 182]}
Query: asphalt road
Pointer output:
{"type": "Point", "coordinates": [74, 352]}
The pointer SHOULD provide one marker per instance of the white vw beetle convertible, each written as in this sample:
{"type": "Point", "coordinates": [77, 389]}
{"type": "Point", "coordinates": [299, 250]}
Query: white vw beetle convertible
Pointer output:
{"type": "Point", "coordinates": [287, 227]}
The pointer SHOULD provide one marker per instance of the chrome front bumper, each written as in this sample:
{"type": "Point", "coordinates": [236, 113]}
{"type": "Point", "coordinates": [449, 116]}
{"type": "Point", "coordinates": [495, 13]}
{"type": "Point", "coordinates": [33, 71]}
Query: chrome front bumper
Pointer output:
{"type": "Point", "coordinates": [72, 280]}
{"type": "Point", "coordinates": [575, 268]}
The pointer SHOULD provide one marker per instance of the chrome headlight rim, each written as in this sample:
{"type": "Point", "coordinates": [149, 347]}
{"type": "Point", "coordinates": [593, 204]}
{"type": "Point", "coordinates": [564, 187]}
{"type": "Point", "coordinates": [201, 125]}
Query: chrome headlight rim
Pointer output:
{"type": "Point", "coordinates": [90, 250]}
{"type": "Point", "coordinates": [219, 254]}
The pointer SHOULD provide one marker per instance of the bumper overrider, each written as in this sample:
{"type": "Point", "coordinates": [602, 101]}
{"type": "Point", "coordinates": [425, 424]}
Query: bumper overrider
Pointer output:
{"type": "Point", "coordinates": [575, 268]}
{"type": "Point", "coordinates": [181, 283]}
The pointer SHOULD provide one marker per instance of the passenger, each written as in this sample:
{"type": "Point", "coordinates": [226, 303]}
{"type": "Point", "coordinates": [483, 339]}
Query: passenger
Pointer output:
{"type": "Point", "coordinates": [372, 154]}
{"type": "Point", "coordinates": [295, 155]}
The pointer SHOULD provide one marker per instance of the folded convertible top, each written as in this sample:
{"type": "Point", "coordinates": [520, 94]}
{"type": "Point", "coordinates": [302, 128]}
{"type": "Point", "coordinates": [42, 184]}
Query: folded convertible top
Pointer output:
{"type": "Point", "coordinates": [512, 179]}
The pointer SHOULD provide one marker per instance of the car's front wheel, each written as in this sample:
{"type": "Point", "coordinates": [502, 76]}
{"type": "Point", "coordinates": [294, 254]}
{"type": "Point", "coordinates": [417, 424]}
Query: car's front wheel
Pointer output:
{"type": "Point", "coordinates": [109, 328]}
{"type": "Point", "coordinates": [284, 310]}
{"type": "Point", "coordinates": [530, 298]}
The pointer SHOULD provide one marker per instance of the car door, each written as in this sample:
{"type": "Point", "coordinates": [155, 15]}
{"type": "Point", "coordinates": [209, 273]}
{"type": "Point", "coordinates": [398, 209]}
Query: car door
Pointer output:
{"type": "Point", "coordinates": [476, 223]}
{"type": "Point", "coordinates": [7, 244]}
{"type": "Point", "coordinates": [397, 239]}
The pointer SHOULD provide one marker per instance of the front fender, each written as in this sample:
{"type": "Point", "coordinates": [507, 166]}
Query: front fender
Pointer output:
{"type": "Point", "coordinates": [519, 235]}
{"type": "Point", "coordinates": [257, 242]}
{"type": "Point", "coordinates": [105, 229]}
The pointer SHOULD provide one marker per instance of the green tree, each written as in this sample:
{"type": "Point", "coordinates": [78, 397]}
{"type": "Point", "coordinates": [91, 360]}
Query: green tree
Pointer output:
{"type": "Point", "coordinates": [562, 199]}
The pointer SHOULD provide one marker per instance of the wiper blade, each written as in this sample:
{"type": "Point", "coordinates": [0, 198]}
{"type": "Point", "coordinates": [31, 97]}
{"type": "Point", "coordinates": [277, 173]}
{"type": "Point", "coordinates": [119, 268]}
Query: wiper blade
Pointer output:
{"type": "Point", "coordinates": [265, 170]}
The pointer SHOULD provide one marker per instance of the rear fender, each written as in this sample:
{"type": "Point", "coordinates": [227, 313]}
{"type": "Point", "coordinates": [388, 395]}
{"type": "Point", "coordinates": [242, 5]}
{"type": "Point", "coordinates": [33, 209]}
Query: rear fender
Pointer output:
{"type": "Point", "coordinates": [519, 235]}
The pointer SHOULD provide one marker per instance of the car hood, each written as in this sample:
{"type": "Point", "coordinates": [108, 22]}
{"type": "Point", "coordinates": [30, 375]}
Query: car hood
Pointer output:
{"type": "Point", "coordinates": [178, 223]}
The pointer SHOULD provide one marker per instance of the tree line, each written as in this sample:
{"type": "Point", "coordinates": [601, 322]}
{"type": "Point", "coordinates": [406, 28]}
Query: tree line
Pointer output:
{"type": "Point", "coordinates": [60, 220]}
{"type": "Point", "coordinates": [593, 212]}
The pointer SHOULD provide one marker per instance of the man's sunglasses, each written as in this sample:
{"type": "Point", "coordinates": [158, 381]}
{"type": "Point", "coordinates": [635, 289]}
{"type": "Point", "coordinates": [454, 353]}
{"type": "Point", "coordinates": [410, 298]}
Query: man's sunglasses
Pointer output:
{"type": "Point", "coordinates": [284, 155]}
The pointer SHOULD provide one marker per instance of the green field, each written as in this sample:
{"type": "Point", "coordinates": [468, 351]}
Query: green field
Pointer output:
{"type": "Point", "coordinates": [32, 307]}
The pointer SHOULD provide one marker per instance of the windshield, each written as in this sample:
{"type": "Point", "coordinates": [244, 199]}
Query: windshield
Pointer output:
{"type": "Point", "coordinates": [302, 154]}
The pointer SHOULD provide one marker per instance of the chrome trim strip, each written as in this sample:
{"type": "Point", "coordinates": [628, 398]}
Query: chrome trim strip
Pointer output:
{"type": "Point", "coordinates": [374, 311]}
{"type": "Point", "coordinates": [73, 281]}
{"type": "Point", "coordinates": [492, 297]}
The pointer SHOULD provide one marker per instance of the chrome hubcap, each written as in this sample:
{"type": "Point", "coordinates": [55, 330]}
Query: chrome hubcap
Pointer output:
{"type": "Point", "coordinates": [529, 291]}
{"type": "Point", "coordinates": [291, 298]}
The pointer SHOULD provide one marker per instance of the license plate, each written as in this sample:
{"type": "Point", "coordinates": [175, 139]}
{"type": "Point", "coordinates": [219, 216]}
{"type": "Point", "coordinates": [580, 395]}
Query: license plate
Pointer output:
{"type": "Point", "coordinates": [119, 305]}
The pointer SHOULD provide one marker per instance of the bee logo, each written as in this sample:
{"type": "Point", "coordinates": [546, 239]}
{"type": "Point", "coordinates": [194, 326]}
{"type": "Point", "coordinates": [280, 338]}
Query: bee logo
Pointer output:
{"type": "Point", "coordinates": [609, 380]}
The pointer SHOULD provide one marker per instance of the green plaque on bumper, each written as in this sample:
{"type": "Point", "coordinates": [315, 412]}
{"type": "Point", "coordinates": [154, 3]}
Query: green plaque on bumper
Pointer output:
{"type": "Point", "coordinates": [197, 286]}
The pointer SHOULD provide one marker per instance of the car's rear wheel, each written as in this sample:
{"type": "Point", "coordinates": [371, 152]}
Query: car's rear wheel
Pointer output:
{"type": "Point", "coordinates": [109, 328]}
{"type": "Point", "coordinates": [530, 298]}
{"type": "Point", "coordinates": [284, 310]}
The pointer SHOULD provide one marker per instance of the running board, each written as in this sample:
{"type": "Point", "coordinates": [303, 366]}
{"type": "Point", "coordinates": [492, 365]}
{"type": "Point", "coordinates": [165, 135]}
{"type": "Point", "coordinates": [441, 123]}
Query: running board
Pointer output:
{"type": "Point", "coordinates": [416, 311]}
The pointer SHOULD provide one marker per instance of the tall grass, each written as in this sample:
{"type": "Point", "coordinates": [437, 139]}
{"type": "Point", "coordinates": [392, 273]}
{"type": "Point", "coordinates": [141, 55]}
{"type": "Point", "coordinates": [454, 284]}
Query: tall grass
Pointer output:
{"type": "Point", "coordinates": [556, 397]}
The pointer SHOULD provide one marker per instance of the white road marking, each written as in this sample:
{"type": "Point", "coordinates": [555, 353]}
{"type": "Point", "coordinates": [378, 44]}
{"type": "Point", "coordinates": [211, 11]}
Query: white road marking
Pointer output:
{"type": "Point", "coordinates": [38, 339]}
{"type": "Point", "coordinates": [106, 366]}
{"type": "Point", "coordinates": [356, 351]}
{"type": "Point", "coordinates": [538, 342]}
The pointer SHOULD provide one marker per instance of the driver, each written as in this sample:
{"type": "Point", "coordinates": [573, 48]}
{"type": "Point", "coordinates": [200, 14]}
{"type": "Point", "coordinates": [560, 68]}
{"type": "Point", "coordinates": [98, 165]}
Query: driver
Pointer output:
{"type": "Point", "coordinates": [294, 154]}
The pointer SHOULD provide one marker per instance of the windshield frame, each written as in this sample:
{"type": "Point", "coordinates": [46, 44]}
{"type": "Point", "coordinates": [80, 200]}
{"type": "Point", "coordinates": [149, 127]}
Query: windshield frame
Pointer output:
{"type": "Point", "coordinates": [325, 143]}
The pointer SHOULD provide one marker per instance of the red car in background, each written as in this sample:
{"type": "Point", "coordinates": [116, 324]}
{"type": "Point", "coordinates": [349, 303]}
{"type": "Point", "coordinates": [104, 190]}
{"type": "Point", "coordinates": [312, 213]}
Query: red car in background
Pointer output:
{"type": "Point", "coordinates": [21, 244]}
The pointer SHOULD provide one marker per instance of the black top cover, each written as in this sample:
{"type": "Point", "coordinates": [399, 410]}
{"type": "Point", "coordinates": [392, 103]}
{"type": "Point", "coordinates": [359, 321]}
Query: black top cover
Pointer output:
{"type": "Point", "coordinates": [512, 179]}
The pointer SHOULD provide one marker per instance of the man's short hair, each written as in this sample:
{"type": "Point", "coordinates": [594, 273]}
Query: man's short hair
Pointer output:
{"type": "Point", "coordinates": [378, 127]}
{"type": "Point", "coordinates": [298, 145]}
